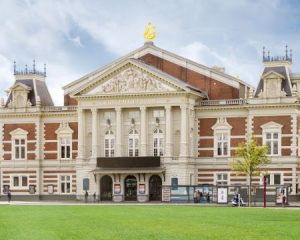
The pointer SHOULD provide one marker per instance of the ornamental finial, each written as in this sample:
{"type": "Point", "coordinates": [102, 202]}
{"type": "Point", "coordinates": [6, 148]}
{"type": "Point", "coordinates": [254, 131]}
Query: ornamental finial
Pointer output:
{"type": "Point", "coordinates": [149, 33]}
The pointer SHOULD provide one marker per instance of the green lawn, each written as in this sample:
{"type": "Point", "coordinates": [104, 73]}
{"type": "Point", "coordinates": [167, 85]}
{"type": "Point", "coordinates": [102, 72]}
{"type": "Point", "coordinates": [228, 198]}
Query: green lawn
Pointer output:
{"type": "Point", "coordinates": [146, 222]}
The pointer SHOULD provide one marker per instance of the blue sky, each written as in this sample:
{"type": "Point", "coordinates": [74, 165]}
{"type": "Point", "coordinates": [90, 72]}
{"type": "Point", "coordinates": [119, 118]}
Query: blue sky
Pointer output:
{"type": "Point", "coordinates": [76, 37]}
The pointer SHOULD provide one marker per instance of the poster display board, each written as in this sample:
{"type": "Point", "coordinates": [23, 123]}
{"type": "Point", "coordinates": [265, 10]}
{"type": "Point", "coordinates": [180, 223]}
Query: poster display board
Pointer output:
{"type": "Point", "coordinates": [117, 188]}
{"type": "Point", "coordinates": [141, 188]}
{"type": "Point", "coordinates": [166, 194]}
{"type": "Point", "coordinates": [280, 193]}
{"type": "Point", "coordinates": [50, 189]}
{"type": "Point", "coordinates": [222, 195]}
{"type": "Point", "coordinates": [32, 189]}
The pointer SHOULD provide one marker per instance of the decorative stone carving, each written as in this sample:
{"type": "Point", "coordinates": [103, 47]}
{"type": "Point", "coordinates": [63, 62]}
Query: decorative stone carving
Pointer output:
{"type": "Point", "coordinates": [294, 90]}
{"type": "Point", "coordinates": [132, 80]}
{"type": "Point", "coordinates": [282, 93]}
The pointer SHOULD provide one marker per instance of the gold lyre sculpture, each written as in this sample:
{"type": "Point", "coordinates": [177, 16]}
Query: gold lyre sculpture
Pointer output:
{"type": "Point", "coordinates": [149, 33]}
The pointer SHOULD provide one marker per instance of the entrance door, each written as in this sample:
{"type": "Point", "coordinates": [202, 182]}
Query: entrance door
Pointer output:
{"type": "Point", "coordinates": [155, 185]}
{"type": "Point", "coordinates": [106, 188]}
{"type": "Point", "coordinates": [130, 188]}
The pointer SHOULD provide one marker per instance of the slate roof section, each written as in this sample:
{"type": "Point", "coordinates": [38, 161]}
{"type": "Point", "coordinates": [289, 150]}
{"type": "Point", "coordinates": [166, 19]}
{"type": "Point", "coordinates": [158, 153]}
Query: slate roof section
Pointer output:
{"type": "Point", "coordinates": [39, 88]}
{"type": "Point", "coordinates": [285, 84]}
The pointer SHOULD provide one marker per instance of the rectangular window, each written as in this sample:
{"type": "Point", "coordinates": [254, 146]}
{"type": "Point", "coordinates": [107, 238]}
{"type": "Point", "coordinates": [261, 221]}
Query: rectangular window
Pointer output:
{"type": "Point", "coordinates": [277, 179]}
{"type": "Point", "coordinates": [222, 179]}
{"type": "Point", "coordinates": [20, 181]}
{"type": "Point", "coordinates": [65, 184]}
{"type": "Point", "coordinates": [272, 142]}
{"type": "Point", "coordinates": [65, 148]}
{"type": "Point", "coordinates": [222, 144]}
{"type": "Point", "coordinates": [20, 148]}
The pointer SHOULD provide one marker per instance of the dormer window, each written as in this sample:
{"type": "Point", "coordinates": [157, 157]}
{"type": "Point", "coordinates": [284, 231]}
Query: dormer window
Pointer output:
{"type": "Point", "coordinates": [19, 96]}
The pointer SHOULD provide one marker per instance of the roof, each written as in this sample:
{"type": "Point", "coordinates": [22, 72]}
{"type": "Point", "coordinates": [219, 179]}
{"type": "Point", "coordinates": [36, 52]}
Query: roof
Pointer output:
{"type": "Point", "coordinates": [283, 71]}
{"type": "Point", "coordinates": [147, 48]}
{"type": "Point", "coordinates": [136, 62]}
{"type": "Point", "coordinates": [38, 88]}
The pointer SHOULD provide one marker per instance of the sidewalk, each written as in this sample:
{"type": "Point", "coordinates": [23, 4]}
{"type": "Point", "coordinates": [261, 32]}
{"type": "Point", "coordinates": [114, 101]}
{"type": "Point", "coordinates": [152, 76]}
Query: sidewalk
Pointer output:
{"type": "Point", "coordinates": [78, 203]}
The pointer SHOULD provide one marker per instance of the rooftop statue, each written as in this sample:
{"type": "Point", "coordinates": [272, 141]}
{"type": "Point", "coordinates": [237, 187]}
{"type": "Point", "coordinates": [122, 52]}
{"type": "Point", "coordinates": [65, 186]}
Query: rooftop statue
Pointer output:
{"type": "Point", "coordinates": [149, 33]}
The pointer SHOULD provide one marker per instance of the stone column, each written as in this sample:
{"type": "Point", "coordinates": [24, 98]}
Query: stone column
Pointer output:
{"type": "Point", "coordinates": [81, 133]}
{"type": "Point", "coordinates": [143, 131]}
{"type": "Point", "coordinates": [169, 127]}
{"type": "Point", "coordinates": [118, 132]}
{"type": "Point", "coordinates": [94, 133]}
{"type": "Point", "coordinates": [183, 132]}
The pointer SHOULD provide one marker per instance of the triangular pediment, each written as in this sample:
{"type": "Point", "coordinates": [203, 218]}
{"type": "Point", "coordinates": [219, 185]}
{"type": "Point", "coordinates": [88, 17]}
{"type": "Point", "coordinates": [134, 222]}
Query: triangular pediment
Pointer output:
{"type": "Point", "coordinates": [20, 87]}
{"type": "Point", "coordinates": [271, 125]}
{"type": "Point", "coordinates": [272, 74]}
{"type": "Point", "coordinates": [18, 132]}
{"type": "Point", "coordinates": [133, 77]}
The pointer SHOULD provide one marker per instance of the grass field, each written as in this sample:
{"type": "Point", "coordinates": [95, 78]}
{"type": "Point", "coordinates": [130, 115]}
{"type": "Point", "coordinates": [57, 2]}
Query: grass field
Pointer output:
{"type": "Point", "coordinates": [146, 222]}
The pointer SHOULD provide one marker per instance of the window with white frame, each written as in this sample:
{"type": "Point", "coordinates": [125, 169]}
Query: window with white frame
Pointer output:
{"type": "Point", "coordinates": [272, 179]}
{"type": "Point", "coordinates": [64, 136]}
{"type": "Point", "coordinates": [272, 138]}
{"type": "Point", "coordinates": [222, 132]}
{"type": "Point", "coordinates": [133, 143]}
{"type": "Point", "coordinates": [65, 147]}
{"type": "Point", "coordinates": [271, 141]}
{"type": "Point", "coordinates": [109, 144]}
{"type": "Point", "coordinates": [158, 142]}
{"type": "Point", "coordinates": [19, 181]}
{"type": "Point", "coordinates": [222, 179]}
{"type": "Point", "coordinates": [19, 143]}
{"type": "Point", "coordinates": [65, 184]}
{"type": "Point", "coordinates": [19, 148]}
{"type": "Point", "coordinates": [222, 144]}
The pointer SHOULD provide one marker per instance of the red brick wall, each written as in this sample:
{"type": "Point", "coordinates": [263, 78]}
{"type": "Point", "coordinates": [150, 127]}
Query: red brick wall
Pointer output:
{"type": "Point", "coordinates": [29, 127]}
{"type": "Point", "coordinates": [31, 136]}
{"type": "Point", "coordinates": [206, 133]}
{"type": "Point", "coordinates": [214, 88]}
{"type": "Point", "coordinates": [283, 120]}
{"type": "Point", "coordinates": [68, 101]}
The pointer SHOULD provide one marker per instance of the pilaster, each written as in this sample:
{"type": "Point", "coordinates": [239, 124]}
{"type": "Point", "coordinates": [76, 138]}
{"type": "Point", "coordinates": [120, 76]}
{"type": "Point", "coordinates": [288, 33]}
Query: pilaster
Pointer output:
{"type": "Point", "coordinates": [143, 131]}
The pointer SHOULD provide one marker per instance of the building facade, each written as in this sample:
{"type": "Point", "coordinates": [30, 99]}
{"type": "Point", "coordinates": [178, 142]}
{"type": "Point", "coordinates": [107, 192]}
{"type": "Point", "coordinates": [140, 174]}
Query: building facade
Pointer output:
{"type": "Point", "coordinates": [149, 119]}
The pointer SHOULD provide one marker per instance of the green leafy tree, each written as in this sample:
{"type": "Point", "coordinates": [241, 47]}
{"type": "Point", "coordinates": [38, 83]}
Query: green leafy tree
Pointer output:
{"type": "Point", "coordinates": [249, 159]}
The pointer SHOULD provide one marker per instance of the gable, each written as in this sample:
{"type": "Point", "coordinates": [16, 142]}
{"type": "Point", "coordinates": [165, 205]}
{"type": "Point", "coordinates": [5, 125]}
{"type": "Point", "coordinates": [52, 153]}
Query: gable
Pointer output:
{"type": "Point", "coordinates": [131, 80]}
{"type": "Point", "coordinates": [135, 77]}
{"type": "Point", "coordinates": [272, 74]}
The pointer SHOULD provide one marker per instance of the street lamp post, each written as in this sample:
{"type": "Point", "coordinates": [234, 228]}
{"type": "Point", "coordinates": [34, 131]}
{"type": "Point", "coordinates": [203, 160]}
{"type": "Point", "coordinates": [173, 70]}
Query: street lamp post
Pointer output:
{"type": "Point", "coordinates": [265, 190]}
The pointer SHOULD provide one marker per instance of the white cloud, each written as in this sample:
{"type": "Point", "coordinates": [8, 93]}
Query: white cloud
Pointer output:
{"type": "Point", "coordinates": [60, 33]}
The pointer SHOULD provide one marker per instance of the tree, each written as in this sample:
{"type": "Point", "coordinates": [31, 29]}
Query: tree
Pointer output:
{"type": "Point", "coordinates": [249, 159]}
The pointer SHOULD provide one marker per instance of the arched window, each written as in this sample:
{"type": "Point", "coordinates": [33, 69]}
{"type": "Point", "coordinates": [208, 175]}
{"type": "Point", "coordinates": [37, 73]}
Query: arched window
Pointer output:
{"type": "Point", "coordinates": [109, 144]}
{"type": "Point", "coordinates": [158, 142]}
{"type": "Point", "coordinates": [133, 143]}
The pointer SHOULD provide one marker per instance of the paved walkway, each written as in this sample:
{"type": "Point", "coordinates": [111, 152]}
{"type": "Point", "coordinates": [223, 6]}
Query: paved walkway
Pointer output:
{"type": "Point", "coordinates": [294, 205]}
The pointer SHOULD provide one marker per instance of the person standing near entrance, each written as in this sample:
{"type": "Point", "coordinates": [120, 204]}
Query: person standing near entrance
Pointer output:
{"type": "Point", "coordinates": [9, 196]}
{"type": "Point", "coordinates": [86, 195]}
{"type": "Point", "coordinates": [195, 197]}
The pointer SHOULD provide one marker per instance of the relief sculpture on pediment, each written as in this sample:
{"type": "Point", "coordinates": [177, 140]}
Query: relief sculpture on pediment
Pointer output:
{"type": "Point", "coordinates": [132, 80]}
